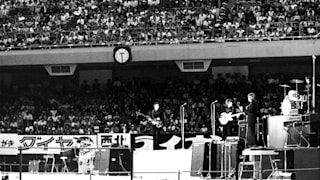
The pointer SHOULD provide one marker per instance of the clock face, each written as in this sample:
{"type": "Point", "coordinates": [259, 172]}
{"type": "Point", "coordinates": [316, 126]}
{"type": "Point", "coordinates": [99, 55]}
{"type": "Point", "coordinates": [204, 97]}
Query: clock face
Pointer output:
{"type": "Point", "coordinates": [122, 55]}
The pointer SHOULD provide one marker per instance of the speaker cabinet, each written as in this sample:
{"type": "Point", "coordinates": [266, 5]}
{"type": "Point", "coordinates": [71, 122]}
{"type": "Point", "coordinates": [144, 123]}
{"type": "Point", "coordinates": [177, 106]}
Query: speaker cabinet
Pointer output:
{"type": "Point", "coordinates": [307, 158]}
{"type": "Point", "coordinates": [197, 159]}
{"type": "Point", "coordinates": [120, 161]}
{"type": "Point", "coordinates": [216, 159]}
{"type": "Point", "coordinates": [242, 129]}
{"type": "Point", "coordinates": [315, 130]}
{"type": "Point", "coordinates": [102, 162]}
{"type": "Point", "coordinates": [113, 161]}
{"type": "Point", "coordinates": [296, 158]}
{"type": "Point", "coordinates": [202, 153]}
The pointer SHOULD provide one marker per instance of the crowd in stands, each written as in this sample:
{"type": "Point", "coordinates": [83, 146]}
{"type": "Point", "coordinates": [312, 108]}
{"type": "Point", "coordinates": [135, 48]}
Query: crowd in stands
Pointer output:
{"type": "Point", "coordinates": [39, 23]}
{"type": "Point", "coordinates": [55, 108]}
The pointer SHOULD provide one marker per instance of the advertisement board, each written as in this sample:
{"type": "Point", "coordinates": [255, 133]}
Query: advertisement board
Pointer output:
{"type": "Point", "coordinates": [9, 144]}
{"type": "Point", "coordinates": [54, 144]}
{"type": "Point", "coordinates": [166, 141]}
{"type": "Point", "coordinates": [114, 139]}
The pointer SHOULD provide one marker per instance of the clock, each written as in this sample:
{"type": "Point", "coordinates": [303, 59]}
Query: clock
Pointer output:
{"type": "Point", "coordinates": [122, 54]}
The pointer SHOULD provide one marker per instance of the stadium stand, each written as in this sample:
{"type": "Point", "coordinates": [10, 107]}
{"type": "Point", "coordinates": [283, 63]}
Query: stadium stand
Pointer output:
{"type": "Point", "coordinates": [71, 109]}
{"type": "Point", "coordinates": [36, 24]}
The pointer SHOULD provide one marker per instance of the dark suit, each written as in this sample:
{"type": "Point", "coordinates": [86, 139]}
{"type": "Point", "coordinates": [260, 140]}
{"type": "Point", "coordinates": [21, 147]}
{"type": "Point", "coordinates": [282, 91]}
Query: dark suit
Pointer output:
{"type": "Point", "coordinates": [155, 130]}
{"type": "Point", "coordinates": [252, 114]}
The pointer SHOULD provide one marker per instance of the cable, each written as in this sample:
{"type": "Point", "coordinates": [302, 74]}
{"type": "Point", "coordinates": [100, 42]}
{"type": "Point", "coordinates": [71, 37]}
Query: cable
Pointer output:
{"type": "Point", "coordinates": [121, 164]}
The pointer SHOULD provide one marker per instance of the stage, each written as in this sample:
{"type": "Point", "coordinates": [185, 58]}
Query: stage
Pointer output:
{"type": "Point", "coordinates": [176, 165]}
{"type": "Point", "coordinates": [62, 176]}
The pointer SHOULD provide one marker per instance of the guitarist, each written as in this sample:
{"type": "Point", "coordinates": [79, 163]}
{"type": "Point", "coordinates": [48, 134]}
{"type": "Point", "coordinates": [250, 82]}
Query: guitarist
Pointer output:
{"type": "Point", "coordinates": [156, 114]}
{"type": "Point", "coordinates": [229, 128]}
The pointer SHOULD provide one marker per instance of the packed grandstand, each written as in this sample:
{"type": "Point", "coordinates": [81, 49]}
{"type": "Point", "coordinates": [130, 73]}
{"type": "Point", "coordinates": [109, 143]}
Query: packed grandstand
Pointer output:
{"type": "Point", "coordinates": [111, 107]}
{"type": "Point", "coordinates": [49, 108]}
{"type": "Point", "coordinates": [68, 23]}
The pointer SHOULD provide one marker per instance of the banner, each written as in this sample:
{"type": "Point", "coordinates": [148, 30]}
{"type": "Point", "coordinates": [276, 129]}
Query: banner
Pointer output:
{"type": "Point", "coordinates": [166, 141]}
{"type": "Point", "coordinates": [111, 139]}
{"type": "Point", "coordinates": [54, 144]}
{"type": "Point", "coordinates": [9, 144]}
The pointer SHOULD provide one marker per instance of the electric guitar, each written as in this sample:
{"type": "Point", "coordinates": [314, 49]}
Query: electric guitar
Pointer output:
{"type": "Point", "coordinates": [226, 117]}
{"type": "Point", "coordinates": [154, 121]}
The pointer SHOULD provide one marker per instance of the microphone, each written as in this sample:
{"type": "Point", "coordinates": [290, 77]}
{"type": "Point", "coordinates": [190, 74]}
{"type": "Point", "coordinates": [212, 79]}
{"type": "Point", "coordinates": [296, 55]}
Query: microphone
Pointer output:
{"type": "Point", "coordinates": [215, 101]}
{"type": "Point", "coordinates": [184, 104]}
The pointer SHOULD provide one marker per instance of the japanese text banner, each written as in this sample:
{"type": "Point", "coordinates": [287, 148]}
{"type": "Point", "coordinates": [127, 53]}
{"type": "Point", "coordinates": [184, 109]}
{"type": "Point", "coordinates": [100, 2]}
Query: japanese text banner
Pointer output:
{"type": "Point", "coordinates": [54, 144]}
{"type": "Point", "coordinates": [9, 144]}
{"type": "Point", "coordinates": [110, 139]}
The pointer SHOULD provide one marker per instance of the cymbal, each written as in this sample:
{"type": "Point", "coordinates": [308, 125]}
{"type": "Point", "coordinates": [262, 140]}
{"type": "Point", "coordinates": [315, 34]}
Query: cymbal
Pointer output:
{"type": "Point", "coordinates": [284, 85]}
{"type": "Point", "coordinates": [297, 81]}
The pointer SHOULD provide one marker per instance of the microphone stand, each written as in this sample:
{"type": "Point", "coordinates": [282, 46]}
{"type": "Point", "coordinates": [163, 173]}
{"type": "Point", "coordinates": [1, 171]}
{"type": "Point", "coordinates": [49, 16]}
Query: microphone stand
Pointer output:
{"type": "Point", "coordinates": [213, 127]}
{"type": "Point", "coordinates": [213, 117]}
{"type": "Point", "coordinates": [313, 83]}
{"type": "Point", "coordinates": [182, 124]}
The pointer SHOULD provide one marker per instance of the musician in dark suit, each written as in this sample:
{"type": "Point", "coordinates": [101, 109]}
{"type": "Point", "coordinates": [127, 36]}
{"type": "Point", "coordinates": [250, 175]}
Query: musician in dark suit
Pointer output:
{"type": "Point", "coordinates": [156, 115]}
{"type": "Point", "coordinates": [229, 113]}
{"type": "Point", "coordinates": [252, 115]}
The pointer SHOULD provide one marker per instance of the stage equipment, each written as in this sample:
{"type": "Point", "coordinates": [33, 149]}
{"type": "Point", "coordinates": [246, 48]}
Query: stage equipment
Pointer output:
{"type": "Point", "coordinates": [314, 83]}
{"type": "Point", "coordinates": [213, 117]}
{"type": "Point", "coordinates": [285, 86]}
{"type": "Point", "coordinates": [182, 109]}
{"type": "Point", "coordinates": [296, 131]}
{"type": "Point", "coordinates": [308, 86]}
{"type": "Point", "coordinates": [230, 156]}
{"type": "Point", "coordinates": [286, 130]}
{"type": "Point", "coordinates": [296, 81]}
{"type": "Point", "coordinates": [302, 162]}
{"type": "Point", "coordinates": [207, 159]}
{"type": "Point", "coordinates": [113, 161]}
{"type": "Point", "coordinates": [252, 153]}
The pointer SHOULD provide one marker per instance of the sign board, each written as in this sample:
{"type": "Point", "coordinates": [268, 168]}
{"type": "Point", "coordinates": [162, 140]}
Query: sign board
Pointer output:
{"type": "Point", "coordinates": [113, 139]}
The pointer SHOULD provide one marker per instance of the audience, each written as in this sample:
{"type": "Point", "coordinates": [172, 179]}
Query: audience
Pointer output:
{"type": "Point", "coordinates": [39, 23]}
{"type": "Point", "coordinates": [89, 109]}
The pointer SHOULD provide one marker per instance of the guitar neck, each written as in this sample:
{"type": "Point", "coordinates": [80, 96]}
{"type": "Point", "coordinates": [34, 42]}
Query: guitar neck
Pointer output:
{"type": "Point", "coordinates": [143, 115]}
{"type": "Point", "coordinates": [233, 115]}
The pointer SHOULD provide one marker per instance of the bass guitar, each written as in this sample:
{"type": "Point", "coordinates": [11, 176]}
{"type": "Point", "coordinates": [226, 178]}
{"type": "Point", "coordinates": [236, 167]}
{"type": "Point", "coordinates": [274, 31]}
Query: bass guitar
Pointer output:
{"type": "Point", "coordinates": [154, 121]}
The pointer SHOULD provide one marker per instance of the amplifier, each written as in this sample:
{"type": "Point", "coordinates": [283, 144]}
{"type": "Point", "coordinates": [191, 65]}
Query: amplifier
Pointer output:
{"type": "Point", "coordinates": [113, 161]}
{"type": "Point", "coordinates": [201, 157]}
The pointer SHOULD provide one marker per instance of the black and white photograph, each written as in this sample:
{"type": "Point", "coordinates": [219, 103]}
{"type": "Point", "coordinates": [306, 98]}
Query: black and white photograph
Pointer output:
{"type": "Point", "coordinates": [160, 89]}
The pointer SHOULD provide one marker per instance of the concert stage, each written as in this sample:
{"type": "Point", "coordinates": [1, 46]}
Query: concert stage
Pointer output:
{"type": "Point", "coordinates": [63, 176]}
{"type": "Point", "coordinates": [176, 165]}
{"type": "Point", "coordinates": [304, 163]}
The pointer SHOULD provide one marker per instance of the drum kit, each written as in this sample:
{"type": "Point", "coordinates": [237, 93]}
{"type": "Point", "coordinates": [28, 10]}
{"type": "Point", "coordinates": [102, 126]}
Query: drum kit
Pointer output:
{"type": "Point", "coordinates": [293, 81]}
{"type": "Point", "coordinates": [302, 98]}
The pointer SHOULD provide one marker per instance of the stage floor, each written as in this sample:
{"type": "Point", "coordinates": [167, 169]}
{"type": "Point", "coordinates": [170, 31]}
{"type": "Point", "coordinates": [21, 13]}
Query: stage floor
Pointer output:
{"type": "Point", "coordinates": [75, 176]}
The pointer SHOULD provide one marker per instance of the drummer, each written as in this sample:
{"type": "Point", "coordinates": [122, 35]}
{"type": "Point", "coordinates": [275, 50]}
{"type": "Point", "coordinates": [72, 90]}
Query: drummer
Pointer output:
{"type": "Point", "coordinates": [290, 103]}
